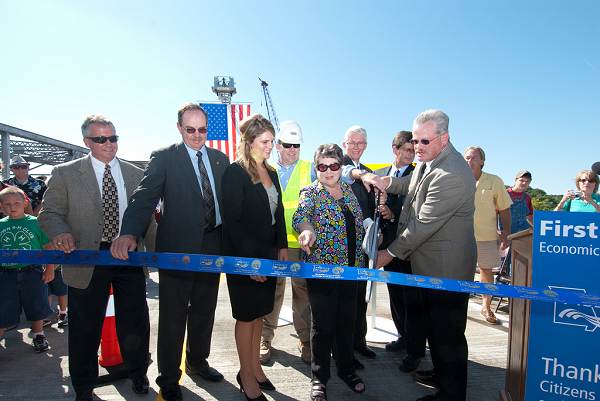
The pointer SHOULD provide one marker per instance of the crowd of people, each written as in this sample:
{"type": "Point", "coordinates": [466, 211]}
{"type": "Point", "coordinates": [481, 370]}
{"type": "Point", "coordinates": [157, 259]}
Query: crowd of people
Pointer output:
{"type": "Point", "coordinates": [443, 216]}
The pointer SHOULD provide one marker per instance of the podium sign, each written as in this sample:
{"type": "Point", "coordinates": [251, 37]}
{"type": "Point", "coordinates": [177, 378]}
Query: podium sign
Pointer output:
{"type": "Point", "coordinates": [563, 362]}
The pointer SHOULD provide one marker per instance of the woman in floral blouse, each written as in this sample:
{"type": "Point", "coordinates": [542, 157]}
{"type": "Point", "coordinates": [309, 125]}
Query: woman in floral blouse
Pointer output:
{"type": "Point", "coordinates": [329, 221]}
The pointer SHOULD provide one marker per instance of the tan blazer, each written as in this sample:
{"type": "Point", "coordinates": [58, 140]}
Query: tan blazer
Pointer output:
{"type": "Point", "coordinates": [72, 204]}
{"type": "Point", "coordinates": [435, 228]}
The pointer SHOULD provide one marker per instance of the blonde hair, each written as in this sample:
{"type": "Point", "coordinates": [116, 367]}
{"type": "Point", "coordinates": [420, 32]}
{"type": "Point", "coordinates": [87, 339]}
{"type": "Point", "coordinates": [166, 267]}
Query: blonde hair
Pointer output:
{"type": "Point", "coordinates": [589, 174]}
{"type": "Point", "coordinates": [250, 128]}
{"type": "Point", "coordinates": [9, 191]}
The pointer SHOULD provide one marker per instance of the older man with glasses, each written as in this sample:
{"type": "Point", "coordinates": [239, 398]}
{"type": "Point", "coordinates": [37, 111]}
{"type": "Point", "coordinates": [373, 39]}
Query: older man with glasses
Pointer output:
{"type": "Point", "coordinates": [435, 231]}
{"type": "Point", "coordinates": [354, 145]}
{"type": "Point", "coordinates": [187, 178]}
{"type": "Point", "coordinates": [83, 209]}
{"type": "Point", "coordinates": [294, 174]}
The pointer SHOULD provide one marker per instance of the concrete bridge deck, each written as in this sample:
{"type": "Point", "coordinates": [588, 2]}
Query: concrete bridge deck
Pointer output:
{"type": "Point", "coordinates": [26, 376]}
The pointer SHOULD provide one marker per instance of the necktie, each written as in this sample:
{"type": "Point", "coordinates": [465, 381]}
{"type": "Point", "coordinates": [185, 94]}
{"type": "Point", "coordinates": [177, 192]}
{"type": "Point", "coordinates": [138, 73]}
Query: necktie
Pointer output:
{"type": "Point", "coordinates": [397, 174]}
{"type": "Point", "coordinates": [422, 172]}
{"type": "Point", "coordinates": [110, 206]}
{"type": "Point", "coordinates": [207, 194]}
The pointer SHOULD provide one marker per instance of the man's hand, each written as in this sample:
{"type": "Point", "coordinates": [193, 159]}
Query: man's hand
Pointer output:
{"type": "Point", "coordinates": [282, 254]}
{"type": "Point", "coordinates": [378, 182]}
{"type": "Point", "coordinates": [386, 212]}
{"type": "Point", "coordinates": [504, 241]}
{"type": "Point", "coordinates": [64, 242]}
{"type": "Point", "coordinates": [306, 239]}
{"type": "Point", "coordinates": [48, 274]}
{"type": "Point", "coordinates": [122, 245]}
{"type": "Point", "coordinates": [383, 258]}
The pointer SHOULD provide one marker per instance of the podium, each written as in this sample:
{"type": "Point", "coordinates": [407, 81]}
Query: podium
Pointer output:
{"type": "Point", "coordinates": [514, 388]}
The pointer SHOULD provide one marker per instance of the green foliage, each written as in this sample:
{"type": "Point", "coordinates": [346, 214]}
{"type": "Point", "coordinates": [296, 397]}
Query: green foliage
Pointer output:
{"type": "Point", "coordinates": [541, 200]}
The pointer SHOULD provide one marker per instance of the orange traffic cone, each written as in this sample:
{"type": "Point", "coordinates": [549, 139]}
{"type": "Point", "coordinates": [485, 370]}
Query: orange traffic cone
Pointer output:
{"type": "Point", "coordinates": [110, 353]}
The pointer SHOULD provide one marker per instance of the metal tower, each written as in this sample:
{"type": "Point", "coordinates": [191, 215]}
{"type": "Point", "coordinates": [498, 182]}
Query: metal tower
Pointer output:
{"type": "Point", "coordinates": [269, 103]}
{"type": "Point", "coordinates": [224, 87]}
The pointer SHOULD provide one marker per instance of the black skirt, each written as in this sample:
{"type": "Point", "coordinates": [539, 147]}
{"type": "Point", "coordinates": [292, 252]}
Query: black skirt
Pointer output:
{"type": "Point", "coordinates": [250, 299]}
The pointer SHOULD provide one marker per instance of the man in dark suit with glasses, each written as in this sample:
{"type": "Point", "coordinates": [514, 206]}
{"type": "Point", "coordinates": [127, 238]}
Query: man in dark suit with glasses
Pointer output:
{"type": "Point", "coordinates": [186, 178]}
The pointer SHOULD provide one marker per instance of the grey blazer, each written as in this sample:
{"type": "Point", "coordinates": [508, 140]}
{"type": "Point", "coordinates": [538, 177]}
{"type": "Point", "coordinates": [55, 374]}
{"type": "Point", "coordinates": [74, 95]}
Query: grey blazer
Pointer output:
{"type": "Point", "coordinates": [72, 204]}
{"type": "Point", "coordinates": [435, 228]}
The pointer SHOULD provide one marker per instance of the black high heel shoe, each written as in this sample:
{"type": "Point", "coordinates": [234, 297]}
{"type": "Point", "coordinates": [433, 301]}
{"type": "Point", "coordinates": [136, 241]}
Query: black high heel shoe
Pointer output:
{"type": "Point", "coordinates": [261, 397]}
{"type": "Point", "coordinates": [266, 385]}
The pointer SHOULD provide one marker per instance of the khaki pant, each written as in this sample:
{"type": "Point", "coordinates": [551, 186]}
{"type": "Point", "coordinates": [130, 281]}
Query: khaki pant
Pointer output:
{"type": "Point", "coordinates": [300, 305]}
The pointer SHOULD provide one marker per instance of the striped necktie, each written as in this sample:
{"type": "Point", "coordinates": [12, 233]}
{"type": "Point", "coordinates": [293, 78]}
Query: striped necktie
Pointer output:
{"type": "Point", "coordinates": [207, 194]}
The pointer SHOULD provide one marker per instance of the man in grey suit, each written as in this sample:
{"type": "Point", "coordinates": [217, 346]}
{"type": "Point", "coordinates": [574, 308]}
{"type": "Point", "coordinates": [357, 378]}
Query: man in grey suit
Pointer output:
{"type": "Point", "coordinates": [82, 209]}
{"type": "Point", "coordinates": [186, 177]}
{"type": "Point", "coordinates": [435, 231]}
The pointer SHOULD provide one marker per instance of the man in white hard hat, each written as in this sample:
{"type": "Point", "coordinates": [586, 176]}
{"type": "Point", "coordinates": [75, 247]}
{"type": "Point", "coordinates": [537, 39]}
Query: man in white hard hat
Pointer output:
{"type": "Point", "coordinates": [294, 174]}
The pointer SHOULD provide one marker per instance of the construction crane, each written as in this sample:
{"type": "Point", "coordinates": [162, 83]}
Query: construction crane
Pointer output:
{"type": "Point", "coordinates": [270, 109]}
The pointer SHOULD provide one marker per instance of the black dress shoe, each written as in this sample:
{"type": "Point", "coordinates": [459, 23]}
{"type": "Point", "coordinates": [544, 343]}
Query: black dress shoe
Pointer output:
{"type": "Point", "coordinates": [87, 395]}
{"type": "Point", "coordinates": [357, 364]}
{"type": "Point", "coordinates": [409, 363]}
{"type": "Point", "coordinates": [427, 378]}
{"type": "Point", "coordinates": [430, 397]}
{"type": "Point", "coordinates": [395, 346]}
{"type": "Point", "coordinates": [365, 351]}
{"type": "Point", "coordinates": [208, 373]}
{"type": "Point", "coordinates": [140, 385]}
{"type": "Point", "coordinates": [171, 393]}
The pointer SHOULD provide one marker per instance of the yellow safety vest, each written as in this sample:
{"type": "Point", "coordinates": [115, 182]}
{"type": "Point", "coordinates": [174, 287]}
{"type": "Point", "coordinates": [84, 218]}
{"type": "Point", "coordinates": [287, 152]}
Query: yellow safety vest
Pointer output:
{"type": "Point", "coordinates": [299, 179]}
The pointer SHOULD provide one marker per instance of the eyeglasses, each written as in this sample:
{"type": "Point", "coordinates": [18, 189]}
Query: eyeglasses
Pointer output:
{"type": "Point", "coordinates": [192, 130]}
{"type": "Point", "coordinates": [290, 145]}
{"type": "Point", "coordinates": [355, 144]}
{"type": "Point", "coordinates": [20, 167]}
{"type": "Point", "coordinates": [333, 167]}
{"type": "Point", "coordinates": [103, 139]}
{"type": "Point", "coordinates": [400, 147]}
{"type": "Point", "coordinates": [586, 180]}
{"type": "Point", "coordinates": [424, 141]}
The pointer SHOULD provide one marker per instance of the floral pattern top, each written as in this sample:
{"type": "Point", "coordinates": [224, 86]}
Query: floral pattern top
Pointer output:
{"type": "Point", "coordinates": [317, 207]}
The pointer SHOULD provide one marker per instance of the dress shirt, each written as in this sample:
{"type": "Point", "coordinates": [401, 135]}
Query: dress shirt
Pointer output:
{"type": "Point", "coordinates": [347, 172]}
{"type": "Point", "coordinates": [397, 172]}
{"type": "Point", "coordinates": [205, 159]}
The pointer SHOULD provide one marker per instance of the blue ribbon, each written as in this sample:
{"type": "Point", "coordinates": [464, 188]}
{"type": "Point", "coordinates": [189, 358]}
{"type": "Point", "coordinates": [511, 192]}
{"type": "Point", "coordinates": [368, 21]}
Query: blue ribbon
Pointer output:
{"type": "Point", "coordinates": [266, 267]}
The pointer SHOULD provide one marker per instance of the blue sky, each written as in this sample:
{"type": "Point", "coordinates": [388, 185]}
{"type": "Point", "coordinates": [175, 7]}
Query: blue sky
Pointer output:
{"type": "Point", "coordinates": [520, 79]}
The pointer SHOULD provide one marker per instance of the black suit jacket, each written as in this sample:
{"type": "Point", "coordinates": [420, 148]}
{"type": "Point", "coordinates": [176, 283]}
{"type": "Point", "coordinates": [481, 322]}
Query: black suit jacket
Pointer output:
{"type": "Point", "coordinates": [247, 228]}
{"type": "Point", "coordinates": [366, 199]}
{"type": "Point", "coordinates": [394, 202]}
{"type": "Point", "coordinates": [170, 177]}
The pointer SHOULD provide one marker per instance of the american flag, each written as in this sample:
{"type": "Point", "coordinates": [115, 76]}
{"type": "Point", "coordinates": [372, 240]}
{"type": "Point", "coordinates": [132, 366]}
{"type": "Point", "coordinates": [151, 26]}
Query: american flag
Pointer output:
{"type": "Point", "coordinates": [223, 126]}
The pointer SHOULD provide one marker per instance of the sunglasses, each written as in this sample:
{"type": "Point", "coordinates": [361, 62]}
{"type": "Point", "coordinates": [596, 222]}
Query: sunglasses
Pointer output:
{"type": "Point", "coordinates": [192, 130]}
{"type": "Point", "coordinates": [424, 141]}
{"type": "Point", "coordinates": [103, 139]}
{"type": "Point", "coordinates": [290, 145]}
{"type": "Point", "coordinates": [586, 180]}
{"type": "Point", "coordinates": [20, 167]}
{"type": "Point", "coordinates": [333, 167]}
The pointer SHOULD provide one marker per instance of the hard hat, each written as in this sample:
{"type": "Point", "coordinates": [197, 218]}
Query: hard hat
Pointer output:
{"type": "Point", "coordinates": [290, 132]}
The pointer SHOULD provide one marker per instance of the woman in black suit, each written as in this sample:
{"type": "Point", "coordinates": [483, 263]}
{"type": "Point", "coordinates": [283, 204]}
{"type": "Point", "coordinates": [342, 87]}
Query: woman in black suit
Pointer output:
{"type": "Point", "coordinates": [253, 226]}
